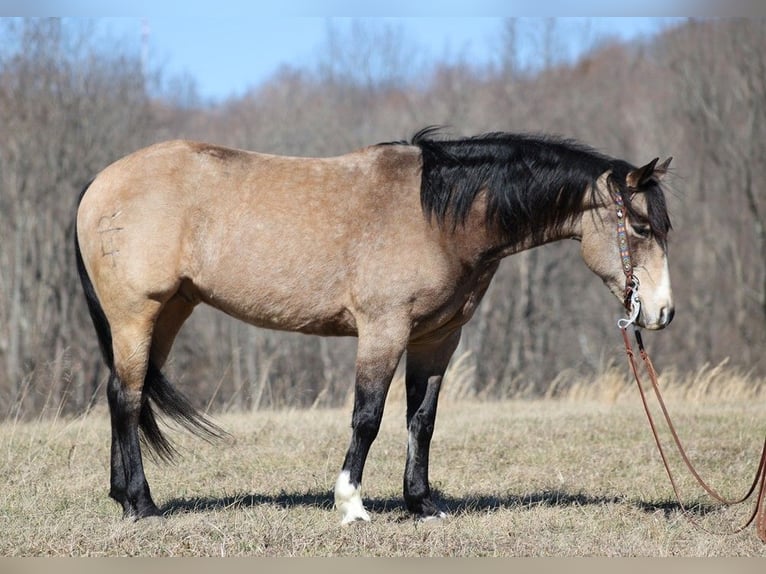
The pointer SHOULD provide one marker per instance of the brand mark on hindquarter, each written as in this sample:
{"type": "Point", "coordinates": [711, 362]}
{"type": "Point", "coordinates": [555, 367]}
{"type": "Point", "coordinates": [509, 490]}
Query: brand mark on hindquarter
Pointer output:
{"type": "Point", "coordinates": [108, 230]}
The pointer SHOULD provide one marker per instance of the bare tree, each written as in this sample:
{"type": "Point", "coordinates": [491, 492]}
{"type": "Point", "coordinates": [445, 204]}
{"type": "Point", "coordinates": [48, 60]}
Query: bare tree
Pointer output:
{"type": "Point", "coordinates": [720, 70]}
{"type": "Point", "coordinates": [61, 107]}
{"type": "Point", "coordinates": [68, 108]}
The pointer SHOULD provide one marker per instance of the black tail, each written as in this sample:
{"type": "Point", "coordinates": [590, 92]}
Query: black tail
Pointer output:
{"type": "Point", "coordinates": [175, 406]}
{"type": "Point", "coordinates": [100, 321]}
{"type": "Point", "coordinates": [157, 389]}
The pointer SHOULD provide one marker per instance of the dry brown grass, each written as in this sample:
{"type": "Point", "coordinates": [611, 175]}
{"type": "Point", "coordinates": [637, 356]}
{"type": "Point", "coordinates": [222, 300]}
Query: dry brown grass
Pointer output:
{"type": "Point", "coordinates": [574, 475]}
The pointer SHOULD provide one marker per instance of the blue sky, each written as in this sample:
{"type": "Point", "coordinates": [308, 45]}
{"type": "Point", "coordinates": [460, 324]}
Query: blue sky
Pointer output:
{"type": "Point", "coordinates": [376, 8]}
{"type": "Point", "coordinates": [229, 46]}
{"type": "Point", "coordinates": [226, 55]}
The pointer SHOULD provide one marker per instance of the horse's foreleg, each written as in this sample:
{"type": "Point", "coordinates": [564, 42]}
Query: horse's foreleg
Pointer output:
{"type": "Point", "coordinates": [425, 368]}
{"type": "Point", "coordinates": [376, 363]}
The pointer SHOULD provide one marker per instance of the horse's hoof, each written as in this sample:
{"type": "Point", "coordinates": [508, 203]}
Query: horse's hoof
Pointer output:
{"type": "Point", "coordinates": [428, 511]}
{"type": "Point", "coordinates": [153, 519]}
{"type": "Point", "coordinates": [432, 517]}
{"type": "Point", "coordinates": [351, 511]}
{"type": "Point", "coordinates": [348, 501]}
{"type": "Point", "coordinates": [354, 516]}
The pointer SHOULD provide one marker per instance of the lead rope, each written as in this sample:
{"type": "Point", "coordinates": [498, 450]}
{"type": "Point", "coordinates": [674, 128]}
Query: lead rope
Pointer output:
{"type": "Point", "coordinates": [633, 306]}
{"type": "Point", "coordinates": [759, 512]}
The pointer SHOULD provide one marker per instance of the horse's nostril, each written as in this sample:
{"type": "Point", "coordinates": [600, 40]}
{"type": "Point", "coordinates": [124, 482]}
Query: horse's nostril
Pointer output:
{"type": "Point", "coordinates": [666, 315]}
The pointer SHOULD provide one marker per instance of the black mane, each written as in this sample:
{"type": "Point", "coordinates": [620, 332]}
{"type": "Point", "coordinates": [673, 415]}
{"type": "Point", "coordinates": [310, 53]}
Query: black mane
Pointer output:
{"type": "Point", "coordinates": [534, 183]}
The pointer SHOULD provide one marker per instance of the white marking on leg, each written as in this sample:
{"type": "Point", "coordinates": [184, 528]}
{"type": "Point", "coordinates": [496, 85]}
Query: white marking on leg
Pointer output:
{"type": "Point", "coordinates": [411, 442]}
{"type": "Point", "coordinates": [410, 447]}
{"type": "Point", "coordinates": [348, 500]}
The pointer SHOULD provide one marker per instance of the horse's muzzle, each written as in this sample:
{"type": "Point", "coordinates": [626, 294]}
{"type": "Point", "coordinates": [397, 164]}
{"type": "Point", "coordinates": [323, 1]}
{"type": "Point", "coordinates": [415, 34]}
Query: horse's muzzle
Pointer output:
{"type": "Point", "coordinates": [660, 321]}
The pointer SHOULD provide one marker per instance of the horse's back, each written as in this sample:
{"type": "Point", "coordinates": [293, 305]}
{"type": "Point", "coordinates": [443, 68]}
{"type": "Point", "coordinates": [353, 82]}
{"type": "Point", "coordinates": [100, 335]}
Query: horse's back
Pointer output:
{"type": "Point", "coordinates": [273, 240]}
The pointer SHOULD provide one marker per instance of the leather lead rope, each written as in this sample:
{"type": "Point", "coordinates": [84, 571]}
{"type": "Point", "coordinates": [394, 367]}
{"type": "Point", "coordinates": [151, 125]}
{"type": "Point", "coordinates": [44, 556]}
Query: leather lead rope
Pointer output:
{"type": "Point", "coordinates": [758, 514]}
{"type": "Point", "coordinates": [632, 306]}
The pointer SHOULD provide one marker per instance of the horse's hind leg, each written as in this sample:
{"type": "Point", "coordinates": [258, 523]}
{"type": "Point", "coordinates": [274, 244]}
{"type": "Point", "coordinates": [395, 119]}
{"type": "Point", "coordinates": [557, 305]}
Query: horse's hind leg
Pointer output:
{"type": "Point", "coordinates": [131, 343]}
{"type": "Point", "coordinates": [425, 368]}
{"type": "Point", "coordinates": [378, 354]}
{"type": "Point", "coordinates": [169, 322]}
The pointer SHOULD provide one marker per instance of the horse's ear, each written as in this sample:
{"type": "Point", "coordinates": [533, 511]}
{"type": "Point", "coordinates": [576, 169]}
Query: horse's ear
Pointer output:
{"type": "Point", "coordinates": [661, 170]}
{"type": "Point", "coordinates": [637, 177]}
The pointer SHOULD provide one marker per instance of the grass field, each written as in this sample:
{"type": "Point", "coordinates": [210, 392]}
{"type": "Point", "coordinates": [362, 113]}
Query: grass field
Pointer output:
{"type": "Point", "coordinates": [573, 476]}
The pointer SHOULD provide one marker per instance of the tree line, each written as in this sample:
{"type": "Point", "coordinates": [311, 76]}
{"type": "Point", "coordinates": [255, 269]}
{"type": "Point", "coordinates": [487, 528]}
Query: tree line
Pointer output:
{"type": "Point", "coordinates": [69, 106]}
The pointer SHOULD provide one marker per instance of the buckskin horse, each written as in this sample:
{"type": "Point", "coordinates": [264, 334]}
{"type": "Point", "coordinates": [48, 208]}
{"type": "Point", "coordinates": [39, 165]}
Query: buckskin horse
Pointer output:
{"type": "Point", "coordinates": [395, 244]}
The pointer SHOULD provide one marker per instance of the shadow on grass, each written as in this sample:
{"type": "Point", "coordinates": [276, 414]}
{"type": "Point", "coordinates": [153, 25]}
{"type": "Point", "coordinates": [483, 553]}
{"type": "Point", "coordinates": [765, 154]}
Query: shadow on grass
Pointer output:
{"type": "Point", "coordinates": [472, 503]}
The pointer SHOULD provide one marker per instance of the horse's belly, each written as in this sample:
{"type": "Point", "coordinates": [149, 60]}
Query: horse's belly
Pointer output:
{"type": "Point", "coordinates": [298, 311]}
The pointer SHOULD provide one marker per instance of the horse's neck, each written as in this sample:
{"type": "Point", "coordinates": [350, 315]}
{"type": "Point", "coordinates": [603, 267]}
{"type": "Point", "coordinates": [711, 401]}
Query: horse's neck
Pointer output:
{"type": "Point", "coordinates": [501, 243]}
{"type": "Point", "coordinates": [499, 246]}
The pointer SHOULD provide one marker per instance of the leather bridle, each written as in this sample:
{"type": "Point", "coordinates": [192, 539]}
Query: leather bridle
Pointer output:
{"type": "Point", "coordinates": [630, 298]}
{"type": "Point", "coordinates": [632, 306]}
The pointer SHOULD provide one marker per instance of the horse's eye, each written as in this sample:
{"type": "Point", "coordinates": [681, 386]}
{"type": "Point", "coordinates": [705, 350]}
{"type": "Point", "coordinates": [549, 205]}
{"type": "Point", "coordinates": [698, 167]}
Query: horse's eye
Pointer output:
{"type": "Point", "coordinates": [642, 230]}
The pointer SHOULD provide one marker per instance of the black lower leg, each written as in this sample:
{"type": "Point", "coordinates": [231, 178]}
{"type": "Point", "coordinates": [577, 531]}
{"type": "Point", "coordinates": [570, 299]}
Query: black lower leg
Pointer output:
{"type": "Point", "coordinates": [420, 425]}
{"type": "Point", "coordinates": [118, 480]}
{"type": "Point", "coordinates": [365, 424]}
{"type": "Point", "coordinates": [128, 482]}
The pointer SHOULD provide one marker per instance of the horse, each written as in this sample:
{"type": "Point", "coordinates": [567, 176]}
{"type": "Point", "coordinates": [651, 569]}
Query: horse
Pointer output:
{"type": "Point", "coordinates": [394, 243]}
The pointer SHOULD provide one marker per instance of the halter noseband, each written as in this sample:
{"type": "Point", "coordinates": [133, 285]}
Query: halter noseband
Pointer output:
{"type": "Point", "coordinates": [631, 301]}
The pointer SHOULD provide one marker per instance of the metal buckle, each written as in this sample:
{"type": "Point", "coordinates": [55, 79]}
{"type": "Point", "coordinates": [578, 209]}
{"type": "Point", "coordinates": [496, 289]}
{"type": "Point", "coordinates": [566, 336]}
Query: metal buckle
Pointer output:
{"type": "Point", "coordinates": [635, 306]}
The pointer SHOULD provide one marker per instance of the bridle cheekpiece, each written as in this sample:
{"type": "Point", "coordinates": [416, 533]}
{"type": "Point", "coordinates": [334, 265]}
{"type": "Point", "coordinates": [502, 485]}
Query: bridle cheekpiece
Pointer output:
{"type": "Point", "coordinates": [630, 301]}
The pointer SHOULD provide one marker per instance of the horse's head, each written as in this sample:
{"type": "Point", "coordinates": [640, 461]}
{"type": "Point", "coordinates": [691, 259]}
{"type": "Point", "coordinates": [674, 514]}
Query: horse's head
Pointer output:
{"type": "Point", "coordinates": [642, 225]}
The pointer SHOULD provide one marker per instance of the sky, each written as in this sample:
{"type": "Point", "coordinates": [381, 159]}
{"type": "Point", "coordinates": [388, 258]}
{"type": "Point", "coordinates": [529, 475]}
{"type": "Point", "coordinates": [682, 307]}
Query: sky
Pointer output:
{"type": "Point", "coordinates": [225, 56]}
{"type": "Point", "coordinates": [226, 47]}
